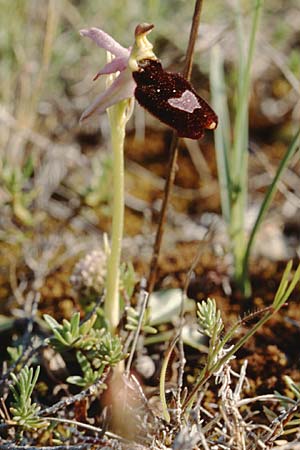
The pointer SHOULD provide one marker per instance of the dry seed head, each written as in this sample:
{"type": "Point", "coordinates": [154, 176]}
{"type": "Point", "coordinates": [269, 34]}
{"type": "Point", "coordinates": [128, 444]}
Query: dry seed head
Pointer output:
{"type": "Point", "coordinates": [90, 272]}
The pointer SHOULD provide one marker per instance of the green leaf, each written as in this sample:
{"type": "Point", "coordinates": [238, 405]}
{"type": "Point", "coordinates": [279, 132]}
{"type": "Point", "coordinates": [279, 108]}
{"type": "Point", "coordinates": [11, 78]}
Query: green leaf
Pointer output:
{"type": "Point", "coordinates": [222, 133]}
{"type": "Point", "coordinates": [166, 305]}
{"type": "Point", "coordinates": [76, 379]}
{"type": "Point", "coordinates": [162, 381]}
{"type": "Point", "coordinates": [75, 320]}
{"type": "Point", "coordinates": [52, 323]}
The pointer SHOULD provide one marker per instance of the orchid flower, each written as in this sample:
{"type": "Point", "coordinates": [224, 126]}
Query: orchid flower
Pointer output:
{"type": "Point", "coordinates": [125, 61]}
{"type": "Point", "coordinates": [137, 73]}
{"type": "Point", "coordinates": [117, 99]}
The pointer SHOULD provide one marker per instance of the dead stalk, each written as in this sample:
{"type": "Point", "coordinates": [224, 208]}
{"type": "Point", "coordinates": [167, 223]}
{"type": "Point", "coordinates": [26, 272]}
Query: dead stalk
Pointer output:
{"type": "Point", "coordinates": [173, 154]}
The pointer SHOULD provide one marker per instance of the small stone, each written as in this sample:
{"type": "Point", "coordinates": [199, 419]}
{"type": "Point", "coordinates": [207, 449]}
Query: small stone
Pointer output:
{"type": "Point", "coordinates": [145, 366]}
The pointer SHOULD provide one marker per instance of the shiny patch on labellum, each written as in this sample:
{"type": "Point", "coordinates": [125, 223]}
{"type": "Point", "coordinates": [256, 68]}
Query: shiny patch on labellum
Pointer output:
{"type": "Point", "coordinates": [172, 99]}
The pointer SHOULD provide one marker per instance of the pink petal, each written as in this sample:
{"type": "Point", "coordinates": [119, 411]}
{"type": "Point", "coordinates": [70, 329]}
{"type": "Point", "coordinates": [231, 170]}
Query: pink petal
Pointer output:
{"type": "Point", "coordinates": [123, 87]}
{"type": "Point", "coordinates": [104, 40]}
{"type": "Point", "coordinates": [117, 64]}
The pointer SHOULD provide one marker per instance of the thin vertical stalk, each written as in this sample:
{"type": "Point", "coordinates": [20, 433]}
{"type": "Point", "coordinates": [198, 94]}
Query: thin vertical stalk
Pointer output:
{"type": "Point", "coordinates": [117, 117]}
{"type": "Point", "coordinates": [173, 153]}
{"type": "Point", "coordinates": [222, 133]}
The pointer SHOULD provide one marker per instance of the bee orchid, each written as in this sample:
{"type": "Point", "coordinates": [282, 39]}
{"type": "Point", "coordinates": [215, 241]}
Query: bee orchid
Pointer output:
{"type": "Point", "coordinates": [168, 96]}
{"type": "Point", "coordinates": [124, 62]}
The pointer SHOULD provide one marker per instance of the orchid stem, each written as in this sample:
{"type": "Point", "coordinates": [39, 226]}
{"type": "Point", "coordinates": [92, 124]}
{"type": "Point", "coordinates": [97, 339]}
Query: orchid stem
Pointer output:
{"type": "Point", "coordinates": [173, 155]}
{"type": "Point", "coordinates": [117, 118]}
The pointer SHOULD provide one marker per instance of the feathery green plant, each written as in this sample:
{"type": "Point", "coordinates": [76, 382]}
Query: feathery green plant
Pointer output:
{"type": "Point", "coordinates": [24, 412]}
{"type": "Point", "coordinates": [210, 323]}
{"type": "Point", "coordinates": [209, 318]}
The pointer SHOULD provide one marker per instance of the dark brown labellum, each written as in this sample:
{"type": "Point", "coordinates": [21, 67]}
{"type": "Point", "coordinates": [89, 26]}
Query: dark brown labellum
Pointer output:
{"type": "Point", "coordinates": [172, 99]}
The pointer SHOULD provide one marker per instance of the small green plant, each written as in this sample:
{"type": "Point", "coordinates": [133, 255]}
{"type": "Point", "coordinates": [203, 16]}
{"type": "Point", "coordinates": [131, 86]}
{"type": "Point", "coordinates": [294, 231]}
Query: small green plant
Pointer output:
{"type": "Point", "coordinates": [95, 348]}
{"type": "Point", "coordinates": [106, 351]}
{"type": "Point", "coordinates": [128, 280]}
{"type": "Point", "coordinates": [232, 153]}
{"type": "Point", "coordinates": [294, 387]}
{"type": "Point", "coordinates": [15, 353]}
{"type": "Point", "coordinates": [99, 190]}
{"type": "Point", "coordinates": [210, 320]}
{"type": "Point", "coordinates": [90, 374]}
{"type": "Point", "coordinates": [133, 317]}
{"type": "Point", "coordinates": [15, 182]}
{"type": "Point", "coordinates": [71, 334]}
{"type": "Point", "coordinates": [211, 324]}
{"type": "Point", "coordinates": [24, 412]}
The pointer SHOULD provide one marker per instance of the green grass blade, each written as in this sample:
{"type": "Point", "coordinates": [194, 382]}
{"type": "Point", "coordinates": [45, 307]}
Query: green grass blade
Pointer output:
{"type": "Point", "coordinates": [75, 321]}
{"type": "Point", "coordinates": [294, 282]}
{"type": "Point", "coordinates": [162, 382]}
{"type": "Point", "coordinates": [241, 123]}
{"type": "Point", "coordinates": [222, 133]}
{"type": "Point", "coordinates": [33, 380]}
{"type": "Point", "coordinates": [285, 289]}
{"type": "Point", "coordinates": [240, 37]}
{"type": "Point", "coordinates": [269, 196]}
{"type": "Point", "coordinates": [51, 322]}
{"type": "Point", "coordinates": [283, 285]}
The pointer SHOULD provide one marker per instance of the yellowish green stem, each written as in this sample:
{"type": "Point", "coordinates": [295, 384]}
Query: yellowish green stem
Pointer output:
{"type": "Point", "coordinates": [118, 118]}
